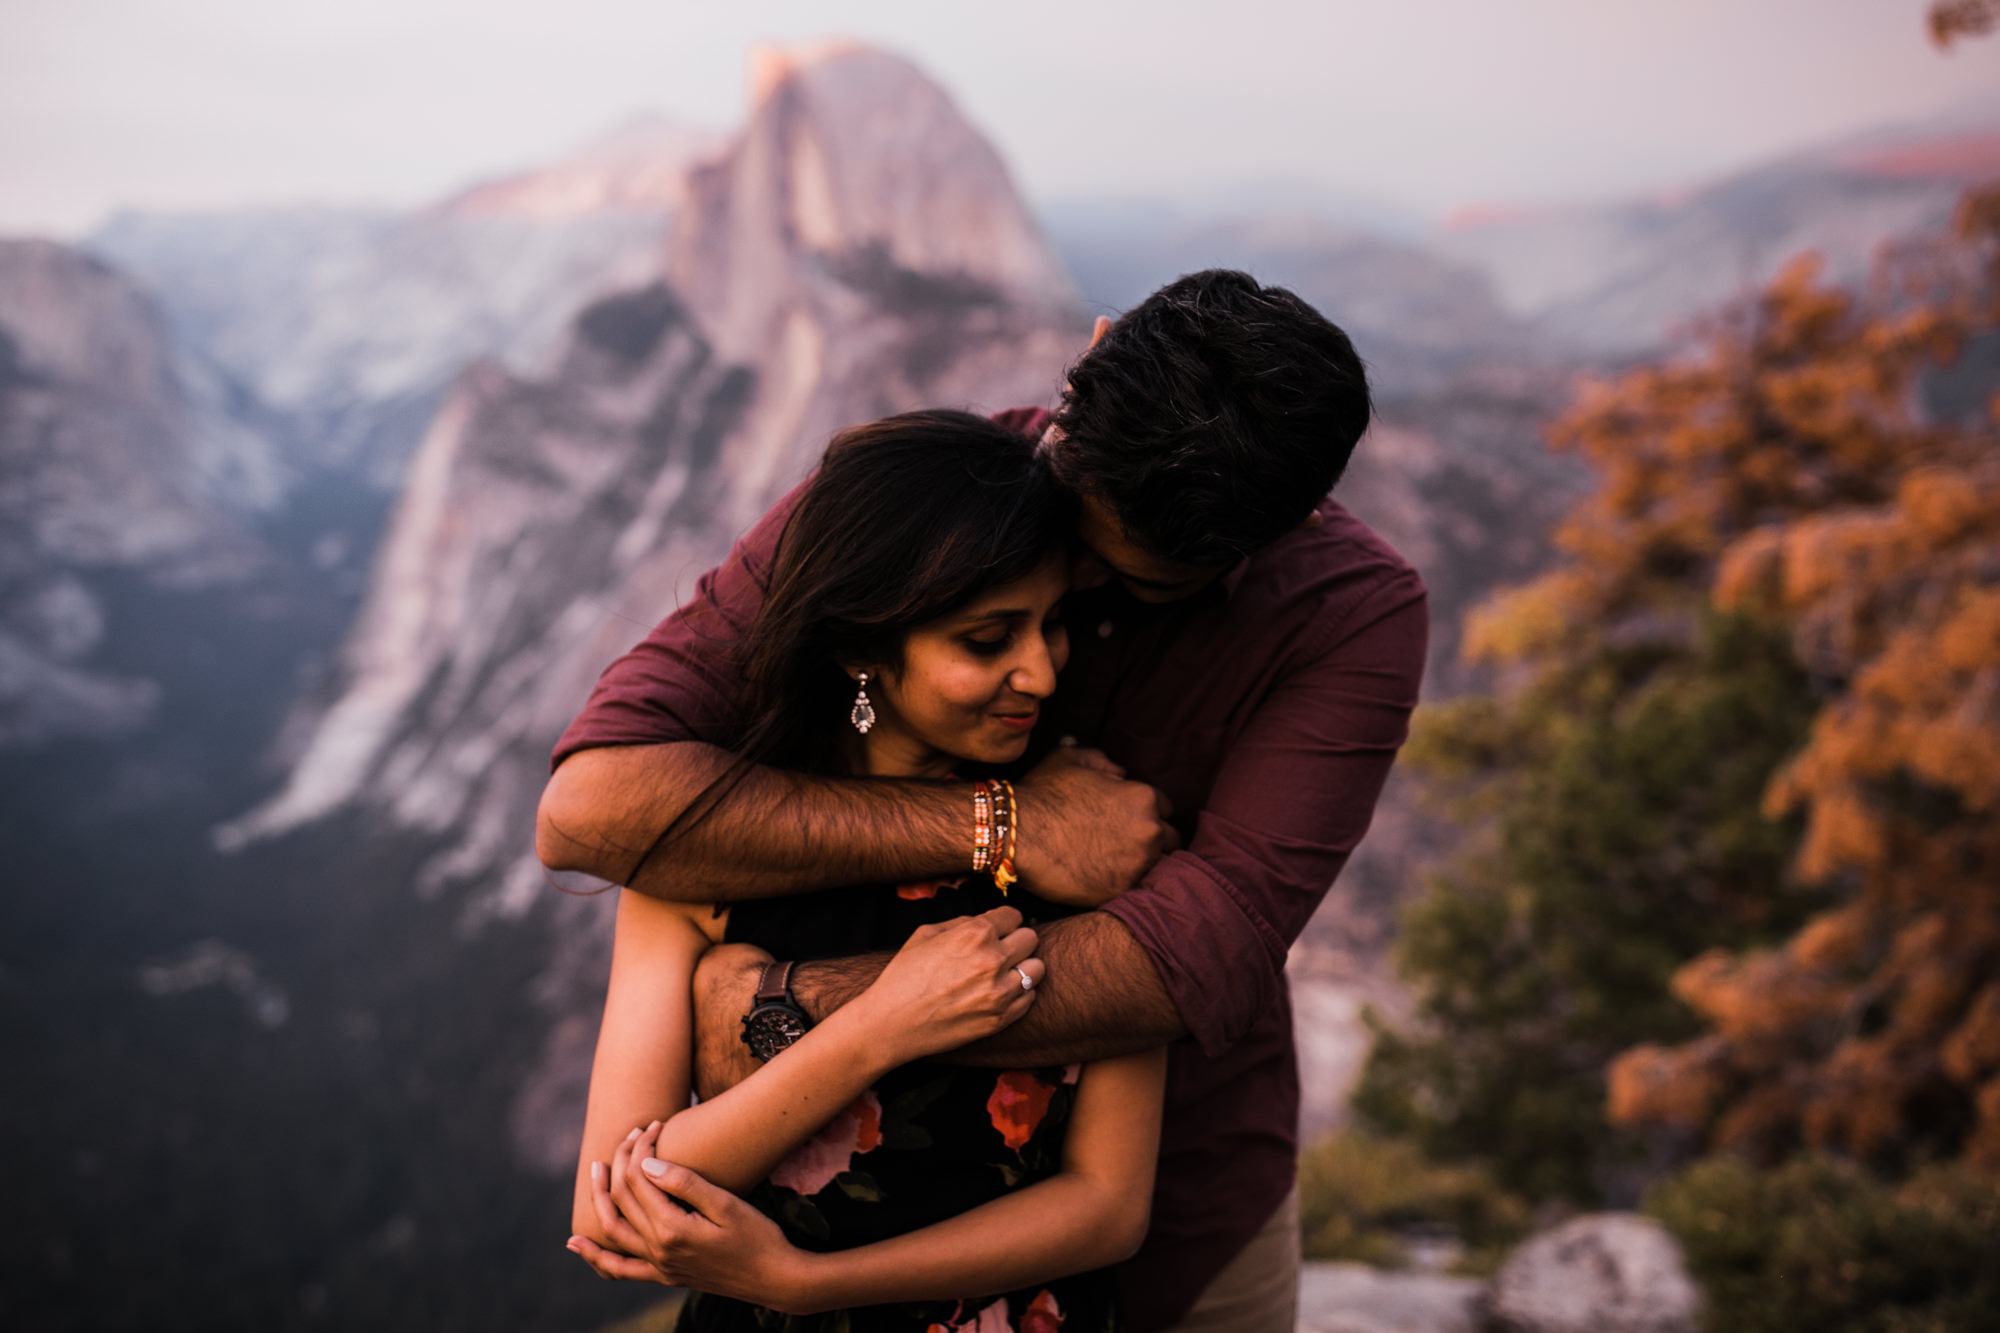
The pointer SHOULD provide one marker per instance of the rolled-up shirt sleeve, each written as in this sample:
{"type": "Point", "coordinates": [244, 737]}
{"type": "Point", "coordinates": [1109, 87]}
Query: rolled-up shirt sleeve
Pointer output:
{"type": "Point", "coordinates": [1290, 803]}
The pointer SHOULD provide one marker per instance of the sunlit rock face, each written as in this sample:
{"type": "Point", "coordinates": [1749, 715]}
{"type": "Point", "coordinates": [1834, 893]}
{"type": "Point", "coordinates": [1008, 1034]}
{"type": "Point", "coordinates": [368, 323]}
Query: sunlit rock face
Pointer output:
{"type": "Point", "coordinates": [107, 467]}
{"type": "Point", "coordinates": [640, 167]}
{"type": "Point", "coordinates": [546, 523]}
{"type": "Point", "coordinates": [527, 508]}
{"type": "Point", "coordinates": [863, 246]}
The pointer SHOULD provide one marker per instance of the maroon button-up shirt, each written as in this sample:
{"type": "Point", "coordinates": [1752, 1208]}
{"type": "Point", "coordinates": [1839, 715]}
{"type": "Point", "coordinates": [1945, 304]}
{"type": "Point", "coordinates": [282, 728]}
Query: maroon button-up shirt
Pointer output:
{"type": "Point", "coordinates": [1269, 707]}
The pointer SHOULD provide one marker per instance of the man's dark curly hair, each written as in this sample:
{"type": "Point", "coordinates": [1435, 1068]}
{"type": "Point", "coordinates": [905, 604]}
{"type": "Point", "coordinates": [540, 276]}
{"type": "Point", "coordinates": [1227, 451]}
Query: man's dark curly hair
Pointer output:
{"type": "Point", "coordinates": [1213, 416]}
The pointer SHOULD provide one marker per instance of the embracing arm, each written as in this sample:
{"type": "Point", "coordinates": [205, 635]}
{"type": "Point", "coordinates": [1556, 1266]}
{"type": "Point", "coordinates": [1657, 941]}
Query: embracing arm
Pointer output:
{"type": "Point", "coordinates": [777, 832]}
{"type": "Point", "coordinates": [1199, 947]}
{"type": "Point", "coordinates": [1090, 1214]}
{"type": "Point", "coordinates": [649, 745]}
{"type": "Point", "coordinates": [1102, 997]}
{"type": "Point", "coordinates": [952, 982]}
{"type": "Point", "coordinates": [645, 1050]}
{"type": "Point", "coordinates": [774, 833]}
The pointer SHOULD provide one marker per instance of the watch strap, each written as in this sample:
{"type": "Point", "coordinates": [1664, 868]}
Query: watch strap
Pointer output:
{"type": "Point", "coordinates": [774, 985]}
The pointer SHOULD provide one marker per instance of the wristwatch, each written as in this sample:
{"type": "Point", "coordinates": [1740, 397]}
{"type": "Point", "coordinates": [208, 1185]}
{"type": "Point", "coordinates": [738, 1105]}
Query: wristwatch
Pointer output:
{"type": "Point", "coordinates": [775, 1020]}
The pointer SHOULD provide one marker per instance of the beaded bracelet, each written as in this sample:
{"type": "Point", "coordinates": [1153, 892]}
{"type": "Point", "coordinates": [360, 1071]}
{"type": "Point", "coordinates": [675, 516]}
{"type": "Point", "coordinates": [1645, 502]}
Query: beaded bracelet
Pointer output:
{"type": "Point", "coordinates": [982, 826]}
{"type": "Point", "coordinates": [995, 826]}
{"type": "Point", "coordinates": [1010, 831]}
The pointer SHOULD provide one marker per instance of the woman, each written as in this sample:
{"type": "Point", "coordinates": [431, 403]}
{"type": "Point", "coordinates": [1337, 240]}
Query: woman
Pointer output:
{"type": "Point", "coordinates": [910, 631]}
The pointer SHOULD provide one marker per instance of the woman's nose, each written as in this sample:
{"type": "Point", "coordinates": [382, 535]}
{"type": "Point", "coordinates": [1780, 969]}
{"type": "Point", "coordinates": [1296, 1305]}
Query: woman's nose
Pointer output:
{"type": "Point", "coordinates": [1035, 674]}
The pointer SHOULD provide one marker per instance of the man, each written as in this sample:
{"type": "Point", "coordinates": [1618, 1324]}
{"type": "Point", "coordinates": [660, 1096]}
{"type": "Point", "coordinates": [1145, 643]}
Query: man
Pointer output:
{"type": "Point", "coordinates": [1245, 652]}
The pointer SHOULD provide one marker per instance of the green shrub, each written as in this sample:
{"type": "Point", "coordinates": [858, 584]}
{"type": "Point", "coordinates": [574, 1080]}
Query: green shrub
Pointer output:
{"type": "Point", "coordinates": [1818, 1245]}
{"type": "Point", "coordinates": [1361, 1197]}
{"type": "Point", "coordinates": [1624, 837]}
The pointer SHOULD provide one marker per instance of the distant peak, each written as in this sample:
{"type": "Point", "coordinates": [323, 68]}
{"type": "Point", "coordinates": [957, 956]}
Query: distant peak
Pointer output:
{"type": "Point", "coordinates": [643, 164]}
{"type": "Point", "coordinates": [1969, 156]}
{"type": "Point", "coordinates": [772, 66]}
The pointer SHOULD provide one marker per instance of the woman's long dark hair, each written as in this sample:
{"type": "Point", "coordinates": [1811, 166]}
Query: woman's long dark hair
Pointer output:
{"type": "Point", "coordinates": [907, 519]}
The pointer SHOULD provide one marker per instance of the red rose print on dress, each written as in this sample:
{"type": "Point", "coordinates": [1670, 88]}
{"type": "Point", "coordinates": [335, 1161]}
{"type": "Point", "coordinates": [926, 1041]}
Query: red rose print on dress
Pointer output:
{"type": "Point", "coordinates": [928, 888]}
{"type": "Point", "coordinates": [993, 1319]}
{"type": "Point", "coordinates": [812, 1165]}
{"type": "Point", "coordinates": [1018, 1103]}
{"type": "Point", "coordinates": [1043, 1315]}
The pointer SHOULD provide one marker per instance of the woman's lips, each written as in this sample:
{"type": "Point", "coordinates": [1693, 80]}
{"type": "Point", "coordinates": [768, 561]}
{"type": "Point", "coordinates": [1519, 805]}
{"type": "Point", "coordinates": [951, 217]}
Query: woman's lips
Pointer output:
{"type": "Point", "coordinates": [1018, 721]}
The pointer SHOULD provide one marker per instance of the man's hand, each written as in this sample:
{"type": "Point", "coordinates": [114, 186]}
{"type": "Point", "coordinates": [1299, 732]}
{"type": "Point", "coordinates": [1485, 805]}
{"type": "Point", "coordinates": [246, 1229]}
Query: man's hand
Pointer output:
{"type": "Point", "coordinates": [725, 987]}
{"type": "Point", "coordinates": [1088, 834]}
{"type": "Point", "coordinates": [678, 1229]}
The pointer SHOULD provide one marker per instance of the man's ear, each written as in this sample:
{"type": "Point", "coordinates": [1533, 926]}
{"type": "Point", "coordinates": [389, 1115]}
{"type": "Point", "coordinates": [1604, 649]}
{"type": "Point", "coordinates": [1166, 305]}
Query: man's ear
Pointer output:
{"type": "Point", "coordinates": [1097, 332]}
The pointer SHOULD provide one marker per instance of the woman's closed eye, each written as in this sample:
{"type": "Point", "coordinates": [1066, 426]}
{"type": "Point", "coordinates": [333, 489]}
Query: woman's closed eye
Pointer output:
{"type": "Point", "coordinates": [987, 646]}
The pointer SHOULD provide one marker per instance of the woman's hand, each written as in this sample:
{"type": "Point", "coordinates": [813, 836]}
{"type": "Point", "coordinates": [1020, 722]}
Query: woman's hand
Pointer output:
{"type": "Point", "coordinates": [954, 982]}
{"type": "Point", "coordinates": [676, 1228]}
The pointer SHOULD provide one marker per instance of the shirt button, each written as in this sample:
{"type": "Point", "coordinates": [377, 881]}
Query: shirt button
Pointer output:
{"type": "Point", "coordinates": [1104, 629]}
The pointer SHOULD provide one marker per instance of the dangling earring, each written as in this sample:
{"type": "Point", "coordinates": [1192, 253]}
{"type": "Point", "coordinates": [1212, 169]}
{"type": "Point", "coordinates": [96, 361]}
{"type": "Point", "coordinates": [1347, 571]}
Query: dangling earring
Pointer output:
{"type": "Point", "coordinates": [863, 714]}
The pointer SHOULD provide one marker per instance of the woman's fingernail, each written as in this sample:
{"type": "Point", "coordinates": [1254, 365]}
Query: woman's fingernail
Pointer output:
{"type": "Point", "coordinates": [650, 1128]}
{"type": "Point", "coordinates": [574, 1246]}
{"type": "Point", "coordinates": [596, 1172]}
{"type": "Point", "coordinates": [653, 1167]}
{"type": "Point", "coordinates": [633, 1135]}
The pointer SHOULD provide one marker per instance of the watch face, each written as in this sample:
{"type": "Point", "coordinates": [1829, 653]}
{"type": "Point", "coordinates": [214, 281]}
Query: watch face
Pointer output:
{"type": "Point", "coordinates": [770, 1028]}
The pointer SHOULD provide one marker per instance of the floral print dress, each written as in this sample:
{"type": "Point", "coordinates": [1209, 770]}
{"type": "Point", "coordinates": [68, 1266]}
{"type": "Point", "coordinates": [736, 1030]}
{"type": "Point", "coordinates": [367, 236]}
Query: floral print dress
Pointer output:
{"type": "Point", "coordinates": [929, 1141]}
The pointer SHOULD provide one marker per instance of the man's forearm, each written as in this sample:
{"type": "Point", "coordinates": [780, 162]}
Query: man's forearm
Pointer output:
{"type": "Point", "coordinates": [674, 822]}
{"type": "Point", "coordinates": [1101, 997]}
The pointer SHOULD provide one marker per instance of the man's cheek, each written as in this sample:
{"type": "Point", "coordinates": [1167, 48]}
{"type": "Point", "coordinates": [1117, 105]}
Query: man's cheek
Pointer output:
{"type": "Point", "coordinates": [1087, 571]}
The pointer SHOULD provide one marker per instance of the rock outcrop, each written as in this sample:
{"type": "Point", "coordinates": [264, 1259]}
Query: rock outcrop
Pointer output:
{"type": "Point", "coordinates": [1600, 1273]}
{"type": "Point", "coordinates": [106, 468]}
{"type": "Point", "coordinates": [1354, 1298]}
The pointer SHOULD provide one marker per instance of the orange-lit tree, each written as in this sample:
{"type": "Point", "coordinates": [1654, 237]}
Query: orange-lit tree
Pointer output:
{"type": "Point", "coordinates": [1875, 1030]}
{"type": "Point", "coordinates": [1951, 20]}
{"type": "Point", "coordinates": [1762, 683]}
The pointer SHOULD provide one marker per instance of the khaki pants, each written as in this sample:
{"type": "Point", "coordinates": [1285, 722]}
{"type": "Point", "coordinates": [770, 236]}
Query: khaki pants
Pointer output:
{"type": "Point", "coordinates": [1259, 1291]}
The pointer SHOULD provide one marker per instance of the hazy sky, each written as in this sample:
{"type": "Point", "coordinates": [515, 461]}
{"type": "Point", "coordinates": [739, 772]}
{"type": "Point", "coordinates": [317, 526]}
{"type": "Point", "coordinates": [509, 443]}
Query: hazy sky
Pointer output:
{"type": "Point", "coordinates": [1427, 104]}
